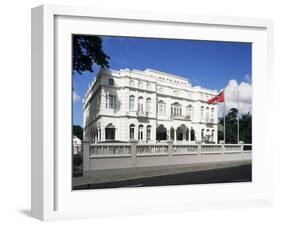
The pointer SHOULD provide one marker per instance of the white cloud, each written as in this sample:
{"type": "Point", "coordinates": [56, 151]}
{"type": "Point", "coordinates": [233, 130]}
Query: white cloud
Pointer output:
{"type": "Point", "coordinates": [76, 97]}
{"type": "Point", "coordinates": [231, 97]}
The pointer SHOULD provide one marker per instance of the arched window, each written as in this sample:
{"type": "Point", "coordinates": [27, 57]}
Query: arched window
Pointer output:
{"type": "Point", "coordinates": [202, 112]}
{"type": "Point", "coordinates": [132, 83]}
{"type": "Point", "coordinates": [140, 85]}
{"type": "Point", "coordinates": [148, 104]}
{"type": "Point", "coordinates": [212, 136]}
{"type": "Point", "coordinates": [148, 133]}
{"type": "Point", "coordinates": [160, 89]}
{"type": "Point", "coordinates": [140, 132]}
{"type": "Point", "coordinates": [212, 113]}
{"type": "Point", "coordinates": [140, 104]}
{"type": "Point", "coordinates": [148, 85]}
{"type": "Point", "coordinates": [207, 114]}
{"type": "Point", "coordinates": [189, 112]}
{"type": "Point", "coordinates": [110, 132]}
{"type": "Point", "coordinates": [192, 134]}
{"type": "Point", "coordinates": [176, 92]}
{"type": "Point", "coordinates": [202, 134]}
{"type": "Point", "coordinates": [132, 131]}
{"type": "Point", "coordinates": [132, 103]}
{"type": "Point", "coordinates": [176, 109]}
{"type": "Point", "coordinates": [187, 134]}
{"type": "Point", "coordinates": [161, 107]}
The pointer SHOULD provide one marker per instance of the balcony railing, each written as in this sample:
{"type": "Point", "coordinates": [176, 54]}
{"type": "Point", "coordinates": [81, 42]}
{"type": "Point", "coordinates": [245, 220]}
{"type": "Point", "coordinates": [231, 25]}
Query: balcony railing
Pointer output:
{"type": "Point", "coordinates": [210, 120]}
{"type": "Point", "coordinates": [177, 117]}
{"type": "Point", "coordinates": [142, 113]}
{"type": "Point", "coordinates": [207, 120]}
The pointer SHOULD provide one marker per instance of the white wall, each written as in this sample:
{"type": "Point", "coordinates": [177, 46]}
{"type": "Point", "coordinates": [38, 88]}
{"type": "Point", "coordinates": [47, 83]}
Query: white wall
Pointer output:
{"type": "Point", "coordinates": [15, 111]}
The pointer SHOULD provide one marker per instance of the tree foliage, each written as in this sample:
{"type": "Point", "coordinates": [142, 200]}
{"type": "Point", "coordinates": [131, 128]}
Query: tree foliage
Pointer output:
{"type": "Point", "coordinates": [231, 120]}
{"type": "Point", "coordinates": [77, 131]}
{"type": "Point", "coordinates": [87, 50]}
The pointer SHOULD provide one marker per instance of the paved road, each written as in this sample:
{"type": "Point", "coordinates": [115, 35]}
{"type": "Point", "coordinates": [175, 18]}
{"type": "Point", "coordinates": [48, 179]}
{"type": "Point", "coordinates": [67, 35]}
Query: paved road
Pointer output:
{"type": "Point", "coordinates": [235, 173]}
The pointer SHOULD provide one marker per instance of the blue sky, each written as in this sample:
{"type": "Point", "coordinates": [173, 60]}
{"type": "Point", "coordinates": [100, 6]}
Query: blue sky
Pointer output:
{"type": "Point", "coordinates": [206, 63]}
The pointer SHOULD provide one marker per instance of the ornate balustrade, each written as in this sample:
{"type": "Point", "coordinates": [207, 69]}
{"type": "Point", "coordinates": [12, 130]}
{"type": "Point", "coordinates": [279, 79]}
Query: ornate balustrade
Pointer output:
{"type": "Point", "coordinates": [185, 149]}
{"type": "Point", "coordinates": [127, 155]}
{"type": "Point", "coordinates": [233, 148]}
{"type": "Point", "coordinates": [152, 149]}
{"type": "Point", "coordinates": [129, 149]}
{"type": "Point", "coordinates": [110, 149]}
{"type": "Point", "coordinates": [211, 148]}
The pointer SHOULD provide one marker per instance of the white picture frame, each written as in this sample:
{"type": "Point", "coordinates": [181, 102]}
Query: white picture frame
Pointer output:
{"type": "Point", "coordinates": [52, 197]}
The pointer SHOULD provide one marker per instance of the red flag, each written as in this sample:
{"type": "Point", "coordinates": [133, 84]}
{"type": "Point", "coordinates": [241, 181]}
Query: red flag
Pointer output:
{"type": "Point", "coordinates": [217, 99]}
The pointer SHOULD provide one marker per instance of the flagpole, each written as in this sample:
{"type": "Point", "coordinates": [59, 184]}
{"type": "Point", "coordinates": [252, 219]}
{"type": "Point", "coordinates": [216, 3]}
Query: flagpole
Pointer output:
{"type": "Point", "coordinates": [238, 117]}
{"type": "Point", "coordinates": [224, 117]}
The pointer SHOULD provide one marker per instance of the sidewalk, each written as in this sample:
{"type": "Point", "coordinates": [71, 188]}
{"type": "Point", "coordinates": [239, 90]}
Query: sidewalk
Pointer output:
{"type": "Point", "coordinates": [117, 175]}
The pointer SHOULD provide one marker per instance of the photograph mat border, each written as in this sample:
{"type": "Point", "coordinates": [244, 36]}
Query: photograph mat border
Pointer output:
{"type": "Point", "coordinates": [43, 161]}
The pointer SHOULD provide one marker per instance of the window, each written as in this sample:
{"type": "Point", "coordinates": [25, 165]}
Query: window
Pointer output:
{"type": "Point", "coordinates": [161, 107]}
{"type": "Point", "coordinates": [148, 104]}
{"type": "Point", "coordinates": [110, 132]}
{"type": "Point", "coordinates": [132, 131]}
{"type": "Point", "coordinates": [111, 82]}
{"type": "Point", "coordinates": [140, 133]}
{"type": "Point", "coordinates": [140, 104]}
{"type": "Point", "coordinates": [202, 113]}
{"type": "Point", "coordinates": [132, 83]}
{"type": "Point", "coordinates": [189, 112]}
{"type": "Point", "coordinates": [148, 132]}
{"type": "Point", "coordinates": [132, 103]}
{"type": "Point", "coordinates": [141, 85]}
{"type": "Point", "coordinates": [212, 137]}
{"type": "Point", "coordinates": [148, 85]}
{"type": "Point", "coordinates": [192, 134]}
{"type": "Point", "coordinates": [207, 113]}
{"type": "Point", "coordinates": [176, 109]}
{"type": "Point", "coordinates": [212, 113]}
{"type": "Point", "coordinates": [176, 92]}
{"type": "Point", "coordinates": [160, 89]}
{"type": "Point", "coordinates": [111, 101]}
{"type": "Point", "coordinates": [202, 134]}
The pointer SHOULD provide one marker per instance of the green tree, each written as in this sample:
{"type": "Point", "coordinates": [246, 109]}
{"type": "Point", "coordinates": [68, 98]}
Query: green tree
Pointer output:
{"type": "Point", "coordinates": [87, 50]}
{"type": "Point", "coordinates": [77, 131]}
{"type": "Point", "coordinates": [245, 127]}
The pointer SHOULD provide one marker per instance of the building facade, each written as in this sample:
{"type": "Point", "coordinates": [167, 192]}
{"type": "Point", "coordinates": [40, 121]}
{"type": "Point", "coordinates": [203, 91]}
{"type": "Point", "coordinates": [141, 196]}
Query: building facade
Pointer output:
{"type": "Point", "coordinates": [149, 106]}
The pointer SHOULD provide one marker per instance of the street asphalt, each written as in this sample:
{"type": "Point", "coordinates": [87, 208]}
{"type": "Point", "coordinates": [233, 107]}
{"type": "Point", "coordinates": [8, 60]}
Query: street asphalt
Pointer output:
{"type": "Point", "coordinates": [199, 173]}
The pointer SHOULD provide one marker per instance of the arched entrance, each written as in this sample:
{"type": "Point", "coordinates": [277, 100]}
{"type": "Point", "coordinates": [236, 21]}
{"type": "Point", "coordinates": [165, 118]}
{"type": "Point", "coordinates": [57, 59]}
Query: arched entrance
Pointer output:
{"type": "Point", "coordinates": [181, 130]}
{"type": "Point", "coordinates": [161, 133]}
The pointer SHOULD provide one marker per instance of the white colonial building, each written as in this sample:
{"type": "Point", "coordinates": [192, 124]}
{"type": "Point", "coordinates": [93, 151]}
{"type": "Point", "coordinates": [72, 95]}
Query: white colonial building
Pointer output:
{"type": "Point", "coordinates": [148, 106]}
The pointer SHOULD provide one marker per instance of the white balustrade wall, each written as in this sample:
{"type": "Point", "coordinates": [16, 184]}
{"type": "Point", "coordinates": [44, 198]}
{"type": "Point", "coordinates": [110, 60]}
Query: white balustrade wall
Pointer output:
{"type": "Point", "coordinates": [127, 155]}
